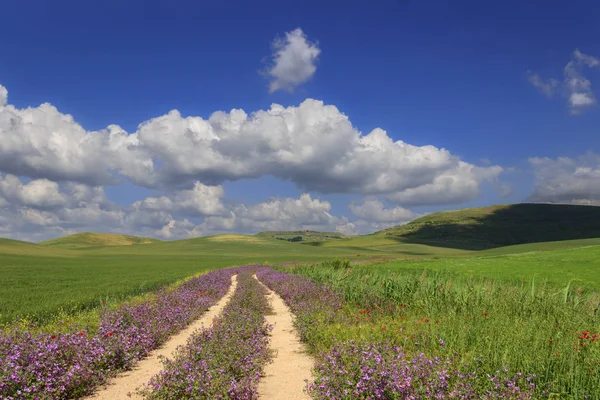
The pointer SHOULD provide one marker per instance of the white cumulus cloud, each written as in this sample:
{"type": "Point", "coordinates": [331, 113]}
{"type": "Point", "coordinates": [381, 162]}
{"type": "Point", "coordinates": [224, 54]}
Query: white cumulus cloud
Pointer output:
{"type": "Point", "coordinates": [293, 63]}
{"type": "Point", "coordinates": [567, 180]}
{"type": "Point", "coordinates": [313, 145]}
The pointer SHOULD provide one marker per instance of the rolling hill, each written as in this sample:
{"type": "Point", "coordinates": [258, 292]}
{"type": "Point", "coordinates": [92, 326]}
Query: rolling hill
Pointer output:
{"type": "Point", "coordinates": [91, 239]}
{"type": "Point", "coordinates": [302, 236]}
{"type": "Point", "coordinates": [500, 225]}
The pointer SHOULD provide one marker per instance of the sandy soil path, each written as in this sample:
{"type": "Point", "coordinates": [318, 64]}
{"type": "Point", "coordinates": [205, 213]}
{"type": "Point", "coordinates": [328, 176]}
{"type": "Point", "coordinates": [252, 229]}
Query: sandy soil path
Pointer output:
{"type": "Point", "coordinates": [284, 377]}
{"type": "Point", "coordinates": [127, 382]}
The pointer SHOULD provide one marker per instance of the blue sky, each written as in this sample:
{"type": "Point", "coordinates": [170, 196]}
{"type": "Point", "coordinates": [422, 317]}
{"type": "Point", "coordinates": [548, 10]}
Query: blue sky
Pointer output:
{"type": "Point", "coordinates": [505, 85]}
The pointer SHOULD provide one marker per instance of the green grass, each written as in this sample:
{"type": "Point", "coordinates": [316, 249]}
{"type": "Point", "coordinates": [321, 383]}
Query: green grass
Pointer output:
{"type": "Point", "coordinates": [501, 225]}
{"type": "Point", "coordinates": [94, 239]}
{"type": "Point", "coordinates": [41, 281]}
{"type": "Point", "coordinates": [75, 273]}
{"type": "Point", "coordinates": [531, 327]}
{"type": "Point", "coordinates": [556, 266]}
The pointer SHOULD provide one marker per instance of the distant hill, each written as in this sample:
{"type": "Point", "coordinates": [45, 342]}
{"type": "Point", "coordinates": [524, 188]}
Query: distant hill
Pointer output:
{"type": "Point", "coordinates": [302, 236]}
{"type": "Point", "coordinates": [500, 225]}
{"type": "Point", "coordinates": [89, 239]}
{"type": "Point", "coordinates": [15, 246]}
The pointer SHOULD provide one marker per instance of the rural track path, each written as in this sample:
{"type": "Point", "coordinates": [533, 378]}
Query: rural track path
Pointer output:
{"type": "Point", "coordinates": [284, 378]}
{"type": "Point", "coordinates": [126, 383]}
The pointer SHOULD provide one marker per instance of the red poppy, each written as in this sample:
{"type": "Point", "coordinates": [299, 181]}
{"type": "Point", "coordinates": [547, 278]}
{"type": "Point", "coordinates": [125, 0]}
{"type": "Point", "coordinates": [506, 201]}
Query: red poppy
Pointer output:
{"type": "Point", "coordinates": [82, 333]}
{"type": "Point", "coordinates": [384, 328]}
{"type": "Point", "coordinates": [52, 337]}
{"type": "Point", "coordinates": [485, 314]}
{"type": "Point", "coordinates": [550, 340]}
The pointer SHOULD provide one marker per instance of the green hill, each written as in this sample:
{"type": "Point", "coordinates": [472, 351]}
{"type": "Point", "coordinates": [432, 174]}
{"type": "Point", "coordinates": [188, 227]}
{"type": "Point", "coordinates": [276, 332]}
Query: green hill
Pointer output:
{"type": "Point", "coordinates": [302, 236]}
{"type": "Point", "coordinates": [90, 239]}
{"type": "Point", "coordinates": [501, 225]}
{"type": "Point", "coordinates": [11, 246]}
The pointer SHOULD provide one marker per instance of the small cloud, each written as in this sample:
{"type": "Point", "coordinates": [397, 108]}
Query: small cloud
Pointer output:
{"type": "Point", "coordinates": [575, 87]}
{"type": "Point", "coordinates": [546, 87]}
{"type": "Point", "coordinates": [294, 59]}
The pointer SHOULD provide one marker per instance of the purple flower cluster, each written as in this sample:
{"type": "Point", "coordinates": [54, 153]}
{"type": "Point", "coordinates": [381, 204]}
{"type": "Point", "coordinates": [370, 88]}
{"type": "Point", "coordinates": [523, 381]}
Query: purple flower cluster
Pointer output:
{"type": "Point", "coordinates": [380, 371]}
{"type": "Point", "coordinates": [225, 360]}
{"type": "Point", "coordinates": [350, 370]}
{"type": "Point", "coordinates": [70, 365]}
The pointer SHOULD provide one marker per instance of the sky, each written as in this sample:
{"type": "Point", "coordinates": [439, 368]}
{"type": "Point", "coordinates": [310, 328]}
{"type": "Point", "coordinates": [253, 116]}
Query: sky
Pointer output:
{"type": "Point", "coordinates": [182, 119]}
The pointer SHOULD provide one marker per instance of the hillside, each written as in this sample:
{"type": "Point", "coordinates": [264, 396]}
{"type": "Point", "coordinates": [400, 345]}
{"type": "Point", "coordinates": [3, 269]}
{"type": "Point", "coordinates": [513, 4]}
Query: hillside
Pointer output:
{"type": "Point", "coordinates": [11, 246]}
{"type": "Point", "coordinates": [89, 239]}
{"type": "Point", "coordinates": [302, 236]}
{"type": "Point", "coordinates": [501, 225]}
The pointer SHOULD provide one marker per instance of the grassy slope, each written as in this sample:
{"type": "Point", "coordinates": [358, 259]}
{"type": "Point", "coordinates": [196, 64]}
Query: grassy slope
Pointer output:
{"type": "Point", "coordinates": [91, 239]}
{"type": "Point", "coordinates": [307, 236]}
{"type": "Point", "coordinates": [502, 225]}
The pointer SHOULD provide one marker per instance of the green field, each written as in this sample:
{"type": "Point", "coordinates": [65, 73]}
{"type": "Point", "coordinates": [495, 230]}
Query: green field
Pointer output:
{"type": "Point", "coordinates": [445, 311]}
{"type": "Point", "coordinates": [39, 280]}
{"type": "Point", "coordinates": [76, 273]}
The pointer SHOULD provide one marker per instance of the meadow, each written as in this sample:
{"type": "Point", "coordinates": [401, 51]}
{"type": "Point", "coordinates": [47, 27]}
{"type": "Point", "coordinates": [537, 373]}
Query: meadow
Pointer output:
{"type": "Point", "coordinates": [386, 314]}
{"type": "Point", "coordinates": [41, 283]}
{"type": "Point", "coordinates": [66, 277]}
{"type": "Point", "coordinates": [541, 331]}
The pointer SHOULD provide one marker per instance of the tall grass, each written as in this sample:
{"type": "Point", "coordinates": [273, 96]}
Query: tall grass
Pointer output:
{"type": "Point", "coordinates": [531, 327]}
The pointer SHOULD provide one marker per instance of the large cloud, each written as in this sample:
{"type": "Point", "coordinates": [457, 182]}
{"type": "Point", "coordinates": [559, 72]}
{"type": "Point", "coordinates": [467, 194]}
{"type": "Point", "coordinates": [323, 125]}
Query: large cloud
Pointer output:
{"type": "Point", "coordinates": [71, 208]}
{"type": "Point", "coordinates": [567, 180]}
{"type": "Point", "coordinates": [313, 145]}
{"type": "Point", "coordinates": [294, 61]}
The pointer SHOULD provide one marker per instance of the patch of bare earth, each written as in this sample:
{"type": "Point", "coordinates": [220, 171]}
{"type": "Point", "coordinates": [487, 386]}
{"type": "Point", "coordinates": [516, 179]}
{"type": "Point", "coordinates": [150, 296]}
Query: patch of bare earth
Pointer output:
{"type": "Point", "coordinates": [285, 377]}
{"type": "Point", "coordinates": [124, 385]}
